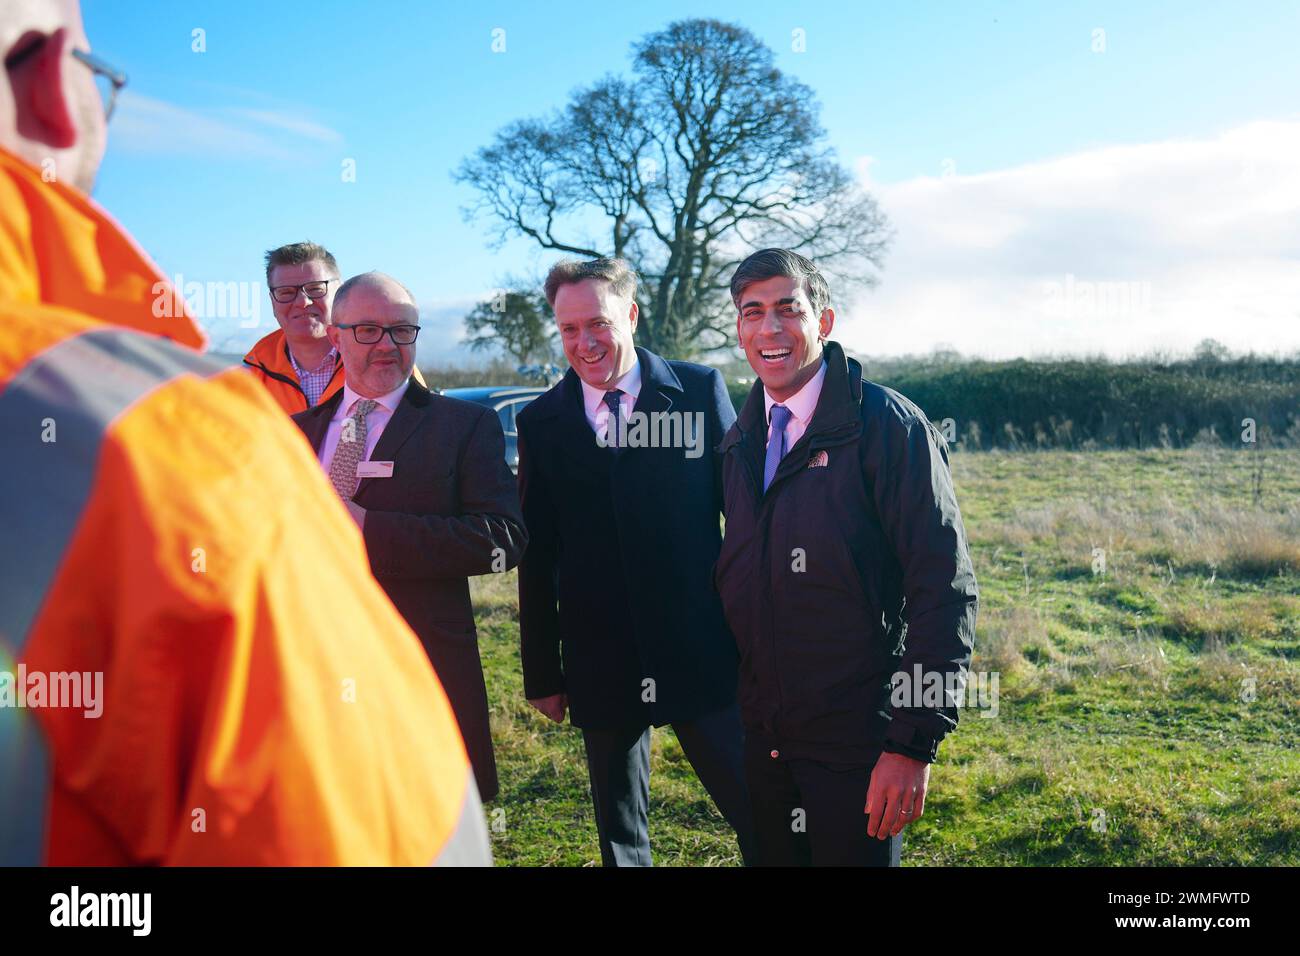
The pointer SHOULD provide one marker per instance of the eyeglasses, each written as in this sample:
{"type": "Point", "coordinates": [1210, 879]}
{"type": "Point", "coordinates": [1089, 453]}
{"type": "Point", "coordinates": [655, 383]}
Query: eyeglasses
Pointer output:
{"type": "Point", "coordinates": [367, 334]}
{"type": "Point", "coordinates": [314, 290]}
{"type": "Point", "coordinates": [108, 79]}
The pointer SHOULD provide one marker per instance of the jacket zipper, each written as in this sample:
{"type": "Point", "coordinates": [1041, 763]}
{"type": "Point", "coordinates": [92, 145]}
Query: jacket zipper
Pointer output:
{"type": "Point", "coordinates": [740, 451]}
{"type": "Point", "coordinates": [815, 443]}
{"type": "Point", "coordinates": [765, 556]}
{"type": "Point", "coordinates": [279, 377]}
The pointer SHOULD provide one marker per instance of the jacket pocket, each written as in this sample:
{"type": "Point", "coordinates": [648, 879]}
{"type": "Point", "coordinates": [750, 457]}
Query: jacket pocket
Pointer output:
{"type": "Point", "coordinates": [455, 632]}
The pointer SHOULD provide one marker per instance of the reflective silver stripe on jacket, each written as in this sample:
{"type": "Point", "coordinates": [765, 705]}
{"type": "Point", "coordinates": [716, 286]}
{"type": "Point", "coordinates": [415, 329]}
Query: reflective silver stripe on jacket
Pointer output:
{"type": "Point", "coordinates": [468, 844]}
{"type": "Point", "coordinates": [53, 417]}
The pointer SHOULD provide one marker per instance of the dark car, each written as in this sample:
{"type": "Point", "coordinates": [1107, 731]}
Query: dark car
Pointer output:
{"type": "Point", "coordinates": [507, 400]}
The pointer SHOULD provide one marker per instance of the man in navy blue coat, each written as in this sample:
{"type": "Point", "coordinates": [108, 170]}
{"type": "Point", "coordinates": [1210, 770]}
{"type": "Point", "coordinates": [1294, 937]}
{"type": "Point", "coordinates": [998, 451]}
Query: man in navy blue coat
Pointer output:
{"type": "Point", "coordinates": [619, 622]}
{"type": "Point", "coordinates": [846, 579]}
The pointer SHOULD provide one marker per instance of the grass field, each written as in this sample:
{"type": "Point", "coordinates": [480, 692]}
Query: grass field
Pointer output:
{"type": "Point", "coordinates": [1148, 712]}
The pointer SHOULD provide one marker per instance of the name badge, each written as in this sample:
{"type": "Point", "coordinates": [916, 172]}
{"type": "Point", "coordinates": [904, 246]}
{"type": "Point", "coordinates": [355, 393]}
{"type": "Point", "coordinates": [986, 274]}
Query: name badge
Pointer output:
{"type": "Point", "coordinates": [374, 469]}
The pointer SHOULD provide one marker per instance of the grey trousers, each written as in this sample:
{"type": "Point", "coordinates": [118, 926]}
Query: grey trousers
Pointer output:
{"type": "Point", "coordinates": [618, 764]}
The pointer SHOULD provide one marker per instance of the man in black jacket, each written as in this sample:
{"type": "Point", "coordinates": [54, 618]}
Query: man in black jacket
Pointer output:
{"type": "Point", "coordinates": [618, 620]}
{"type": "Point", "coordinates": [844, 569]}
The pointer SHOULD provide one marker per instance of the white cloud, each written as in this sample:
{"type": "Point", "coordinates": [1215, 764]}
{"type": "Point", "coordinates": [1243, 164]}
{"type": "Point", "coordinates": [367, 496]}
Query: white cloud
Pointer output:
{"type": "Point", "coordinates": [287, 123]}
{"type": "Point", "coordinates": [143, 124]}
{"type": "Point", "coordinates": [1120, 249]}
{"type": "Point", "coordinates": [862, 168]}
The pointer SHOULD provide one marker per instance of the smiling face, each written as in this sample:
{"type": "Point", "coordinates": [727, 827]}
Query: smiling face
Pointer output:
{"type": "Point", "coordinates": [303, 318]}
{"type": "Point", "coordinates": [596, 330]}
{"type": "Point", "coordinates": [375, 370]}
{"type": "Point", "coordinates": [781, 336]}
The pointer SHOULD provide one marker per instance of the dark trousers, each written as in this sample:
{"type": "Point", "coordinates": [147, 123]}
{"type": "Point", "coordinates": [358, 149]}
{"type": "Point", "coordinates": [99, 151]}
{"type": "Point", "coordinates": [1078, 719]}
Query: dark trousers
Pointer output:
{"type": "Point", "coordinates": [809, 813]}
{"type": "Point", "coordinates": [618, 763]}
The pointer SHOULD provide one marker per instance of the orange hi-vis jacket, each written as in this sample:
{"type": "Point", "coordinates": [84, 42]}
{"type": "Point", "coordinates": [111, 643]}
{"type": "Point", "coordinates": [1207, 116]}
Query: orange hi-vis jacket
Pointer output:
{"type": "Point", "coordinates": [196, 666]}
{"type": "Point", "coordinates": [269, 360]}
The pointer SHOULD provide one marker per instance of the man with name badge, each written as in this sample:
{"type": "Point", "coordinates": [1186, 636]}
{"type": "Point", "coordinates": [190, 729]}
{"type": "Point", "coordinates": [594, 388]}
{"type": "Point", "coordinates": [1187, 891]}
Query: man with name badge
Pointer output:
{"type": "Point", "coordinates": [425, 478]}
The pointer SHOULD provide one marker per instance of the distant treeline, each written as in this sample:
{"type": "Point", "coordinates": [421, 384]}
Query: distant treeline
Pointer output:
{"type": "Point", "coordinates": [1095, 403]}
{"type": "Point", "coordinates": [1081, 403]}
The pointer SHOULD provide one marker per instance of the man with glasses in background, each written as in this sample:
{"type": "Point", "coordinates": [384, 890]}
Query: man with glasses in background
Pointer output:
{"type": "Point", "coordinates": [425, 478]}
{"type": "Point", "coordinates": [297, 362]}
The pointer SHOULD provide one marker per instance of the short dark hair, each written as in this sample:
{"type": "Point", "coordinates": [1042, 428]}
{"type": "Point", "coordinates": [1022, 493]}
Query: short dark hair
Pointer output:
{"type": "Point", "coordinates": [619, 275]}
{"type": "Point", "coordinates": [297, 254]}
{"type": "Point", "coordinates": [770, 263]}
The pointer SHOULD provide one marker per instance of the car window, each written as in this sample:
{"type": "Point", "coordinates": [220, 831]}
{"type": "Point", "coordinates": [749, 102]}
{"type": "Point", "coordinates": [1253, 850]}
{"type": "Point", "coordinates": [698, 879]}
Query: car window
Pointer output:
{"type": "Point", "coordinates": [508, 413]}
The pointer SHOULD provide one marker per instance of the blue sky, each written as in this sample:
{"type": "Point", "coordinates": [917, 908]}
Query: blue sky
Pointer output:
{"type": "Point", "coordinates": [1018, 163]}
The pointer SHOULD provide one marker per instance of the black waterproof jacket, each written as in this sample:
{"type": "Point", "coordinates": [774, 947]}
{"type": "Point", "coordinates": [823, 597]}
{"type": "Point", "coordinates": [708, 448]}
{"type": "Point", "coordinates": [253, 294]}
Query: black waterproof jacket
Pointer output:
{"type": "Point", "coordinates": [851, 568]}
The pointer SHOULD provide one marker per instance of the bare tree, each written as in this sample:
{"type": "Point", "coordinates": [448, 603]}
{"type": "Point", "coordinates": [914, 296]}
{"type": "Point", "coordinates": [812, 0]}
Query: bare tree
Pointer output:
{"type": "Point", "coordinates": [706, 154]}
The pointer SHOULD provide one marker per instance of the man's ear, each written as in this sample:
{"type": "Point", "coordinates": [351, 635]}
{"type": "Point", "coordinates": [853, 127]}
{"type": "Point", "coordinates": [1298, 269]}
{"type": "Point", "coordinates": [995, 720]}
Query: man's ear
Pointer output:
{"type": "Point", "coordinates": [43, 98]}
{"type": "Point", "coordinates": [332, 333]}
{"type": "Point", "coordinates": [632, 314]}
{"type": "Point", "coordinates": [826, 323]}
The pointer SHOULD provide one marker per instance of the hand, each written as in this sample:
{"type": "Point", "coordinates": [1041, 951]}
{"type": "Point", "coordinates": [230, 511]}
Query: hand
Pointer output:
{"type": "Point", "coordinates": [553, 706]}
{"type": "Point", "coordinates": [357, 513]}
{"type": "Point", "coordinates": [896, 794]}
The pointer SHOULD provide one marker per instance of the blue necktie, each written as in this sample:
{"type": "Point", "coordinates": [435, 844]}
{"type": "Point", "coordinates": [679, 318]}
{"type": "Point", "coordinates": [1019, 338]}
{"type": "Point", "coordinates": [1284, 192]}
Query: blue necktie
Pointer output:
{"type": "Point", "coordinates": [775, 444]}
{"type": "Point", "coordinates": [611, 431]}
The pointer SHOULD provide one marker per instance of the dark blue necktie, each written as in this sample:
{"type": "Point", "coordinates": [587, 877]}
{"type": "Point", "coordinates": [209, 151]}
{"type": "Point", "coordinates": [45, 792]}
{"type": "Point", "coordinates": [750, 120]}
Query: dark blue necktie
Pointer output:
{"type": "Point", "coordinates": [611, 432]}
{"type": "Point", "coordinates": [775, 444]}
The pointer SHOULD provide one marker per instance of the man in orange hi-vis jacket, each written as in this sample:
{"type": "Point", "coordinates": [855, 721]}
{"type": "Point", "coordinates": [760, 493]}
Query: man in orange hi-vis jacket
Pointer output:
{"type": "Point", "coordinates": [296, 362]}
{"type": "Point", "coordinates": [192, 670]}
